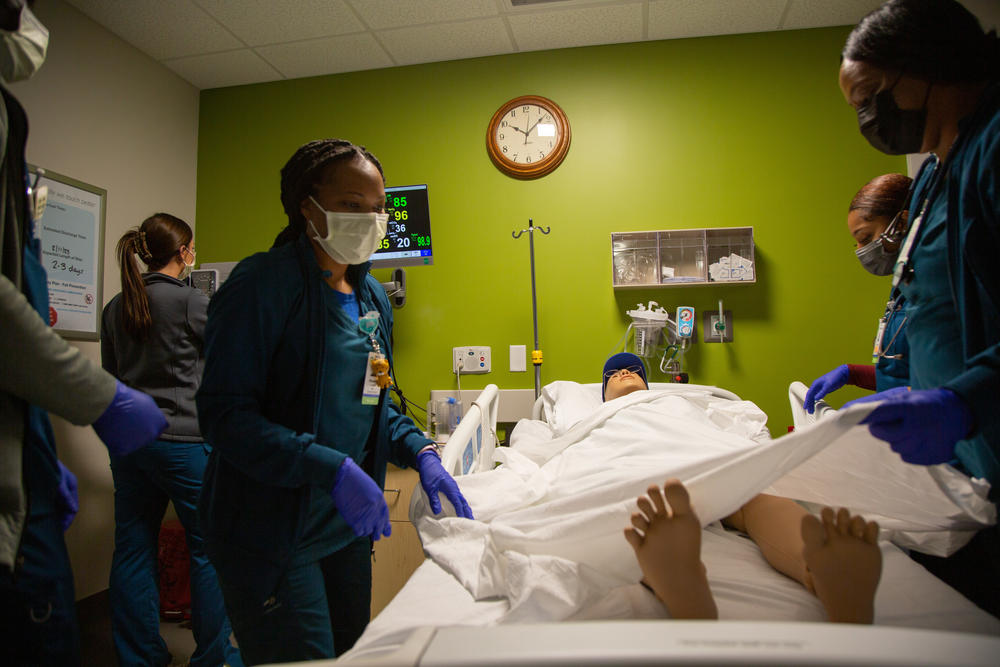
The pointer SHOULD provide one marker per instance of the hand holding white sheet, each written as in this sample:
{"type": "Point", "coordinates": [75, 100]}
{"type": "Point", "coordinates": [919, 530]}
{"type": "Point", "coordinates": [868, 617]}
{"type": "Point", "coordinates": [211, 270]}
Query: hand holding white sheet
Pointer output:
{"type": "Point", "coordinates": [549, 534]}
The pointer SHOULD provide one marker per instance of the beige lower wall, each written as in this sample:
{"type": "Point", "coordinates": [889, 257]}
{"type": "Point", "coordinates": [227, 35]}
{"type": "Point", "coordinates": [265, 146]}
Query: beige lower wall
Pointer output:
{"type": "Point", "coordinates": [103, 113]}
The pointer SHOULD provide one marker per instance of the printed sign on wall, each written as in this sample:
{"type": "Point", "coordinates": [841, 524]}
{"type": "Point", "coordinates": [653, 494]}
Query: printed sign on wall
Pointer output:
{"type": "Point", "coordinates": [72, 239]}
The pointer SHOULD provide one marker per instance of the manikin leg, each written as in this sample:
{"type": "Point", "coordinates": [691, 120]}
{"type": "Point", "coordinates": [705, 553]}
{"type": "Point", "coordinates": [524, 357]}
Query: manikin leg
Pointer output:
{"type": "Point", "coordinates": [837, 558]}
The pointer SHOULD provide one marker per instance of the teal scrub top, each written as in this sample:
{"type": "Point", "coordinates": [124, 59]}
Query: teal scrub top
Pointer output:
{"type": "Point", "coordinates": [933, 330]}
{"type": "Point", "coordinates": [344, 423]}
{"type": "Point", "coordinates": [892, 369]}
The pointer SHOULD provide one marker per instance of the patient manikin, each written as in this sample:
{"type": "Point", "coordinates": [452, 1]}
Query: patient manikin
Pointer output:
{"type": "Point", "coordinates": [836, 557]}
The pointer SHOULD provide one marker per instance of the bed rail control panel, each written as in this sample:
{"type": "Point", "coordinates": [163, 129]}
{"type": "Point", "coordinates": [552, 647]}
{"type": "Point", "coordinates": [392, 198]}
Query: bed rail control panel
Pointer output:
{"type": "Point", "coordinates": [471, 359]}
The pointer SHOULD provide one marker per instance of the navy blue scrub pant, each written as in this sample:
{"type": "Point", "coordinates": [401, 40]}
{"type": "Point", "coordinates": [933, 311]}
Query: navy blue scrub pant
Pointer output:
{"type": "Point", "coordinates": [973, 570]}
{"type": "Point", "coordinates": [37, 608]}
{"type": "Point", "coordinates": [318, 610]}
{"type": "Point", "coordinates": [144, 481]}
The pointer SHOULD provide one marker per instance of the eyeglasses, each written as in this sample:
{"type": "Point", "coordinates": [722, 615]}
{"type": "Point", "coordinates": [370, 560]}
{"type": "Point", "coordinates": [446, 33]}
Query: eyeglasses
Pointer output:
{"type": "Point", "coordinates": [894, 234]}
{"type": "Point", "coordinates": [613, 375]}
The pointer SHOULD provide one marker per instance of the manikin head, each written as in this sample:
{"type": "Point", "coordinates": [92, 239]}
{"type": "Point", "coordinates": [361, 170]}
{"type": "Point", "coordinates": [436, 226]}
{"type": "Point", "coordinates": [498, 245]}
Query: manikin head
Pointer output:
{"type": "Point", "coordinates": [623, 373]}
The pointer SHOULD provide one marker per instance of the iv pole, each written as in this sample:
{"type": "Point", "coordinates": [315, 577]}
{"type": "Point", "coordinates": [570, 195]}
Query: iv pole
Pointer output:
{"type": "Point", "coordinates": [536, 353]}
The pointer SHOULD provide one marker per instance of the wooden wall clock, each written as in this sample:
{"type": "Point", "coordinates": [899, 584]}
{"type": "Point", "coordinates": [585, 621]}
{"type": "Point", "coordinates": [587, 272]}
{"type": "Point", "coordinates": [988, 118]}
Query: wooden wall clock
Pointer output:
{"type": "Point", "coordinates": [528, 137]}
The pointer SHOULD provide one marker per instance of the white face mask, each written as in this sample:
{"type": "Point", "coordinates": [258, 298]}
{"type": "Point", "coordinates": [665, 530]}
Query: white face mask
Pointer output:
{"type": "Point", "coordinates": [188, 268]}
{"type": "Point", "coordinates": [23, 51]}
{"type": "Point", "coordinates": [351, 238]}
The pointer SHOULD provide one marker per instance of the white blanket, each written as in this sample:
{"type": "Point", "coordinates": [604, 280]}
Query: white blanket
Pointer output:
{"type": "Point", "coordinates": [548, 530]}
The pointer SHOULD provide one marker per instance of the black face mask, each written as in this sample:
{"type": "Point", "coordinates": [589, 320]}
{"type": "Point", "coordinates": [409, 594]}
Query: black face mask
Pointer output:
{"type": "Point", "coordinates": [890, 129]}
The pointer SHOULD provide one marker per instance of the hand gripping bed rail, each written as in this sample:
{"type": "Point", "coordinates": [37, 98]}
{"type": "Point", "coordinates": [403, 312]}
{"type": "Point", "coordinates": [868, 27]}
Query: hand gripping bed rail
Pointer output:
{"type": "Point", "coordinates": [797, 398]}
{"type": "Point", "coordinates": [470, 447]}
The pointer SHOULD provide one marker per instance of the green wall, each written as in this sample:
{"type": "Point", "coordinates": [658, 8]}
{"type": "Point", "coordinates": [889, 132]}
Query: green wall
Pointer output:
{"type": "Point", "coordinates": [747, 130]}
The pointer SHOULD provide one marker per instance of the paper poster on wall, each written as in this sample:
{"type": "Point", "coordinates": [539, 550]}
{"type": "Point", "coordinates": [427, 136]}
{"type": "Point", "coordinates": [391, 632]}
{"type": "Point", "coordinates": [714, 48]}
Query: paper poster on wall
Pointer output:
{"type": "Point", "coordinates": [72, 240]}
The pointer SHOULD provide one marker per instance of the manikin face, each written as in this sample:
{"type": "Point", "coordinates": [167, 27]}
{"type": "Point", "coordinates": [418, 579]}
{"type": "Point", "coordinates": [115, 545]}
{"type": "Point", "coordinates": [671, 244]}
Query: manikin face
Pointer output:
{"type": "Point", "coordinates": [623, 382]}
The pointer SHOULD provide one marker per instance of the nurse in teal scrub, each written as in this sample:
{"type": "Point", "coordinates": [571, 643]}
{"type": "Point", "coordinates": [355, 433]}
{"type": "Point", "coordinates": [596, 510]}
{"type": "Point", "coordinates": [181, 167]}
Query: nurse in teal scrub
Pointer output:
{"type": "Point", "coordinates": [301, 428]}
{"type": "Point", "coordinates": [923, 77]}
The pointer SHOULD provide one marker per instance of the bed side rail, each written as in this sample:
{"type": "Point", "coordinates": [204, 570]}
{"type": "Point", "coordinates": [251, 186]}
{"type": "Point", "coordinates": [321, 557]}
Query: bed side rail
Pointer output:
{"type": "Point", "coordinates": [796, 399]}
{"type": "Point", "coordinates": [470, 447]}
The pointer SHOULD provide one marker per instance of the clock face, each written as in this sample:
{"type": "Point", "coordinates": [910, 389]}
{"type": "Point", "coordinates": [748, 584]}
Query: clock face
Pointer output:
{"type": "Point", "coordinates": [528, 137]}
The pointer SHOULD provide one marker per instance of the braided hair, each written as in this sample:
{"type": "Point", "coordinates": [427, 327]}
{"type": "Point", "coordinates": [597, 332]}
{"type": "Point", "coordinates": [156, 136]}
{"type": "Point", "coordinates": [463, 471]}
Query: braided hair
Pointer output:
{"type": "Point", "coordinates": [155, 242]}
{"type": "Point", "coordinates": [304, 171]}
{"type": "Point", "coordinates": [934, 40]}
{"type": "Point", "coordinates": [883, 196]}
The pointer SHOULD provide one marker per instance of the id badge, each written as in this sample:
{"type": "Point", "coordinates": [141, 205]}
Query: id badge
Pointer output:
{"type": "Point", "coordinates": [877, 350]}
{"type": "Point", "coordinates": [370, 390]}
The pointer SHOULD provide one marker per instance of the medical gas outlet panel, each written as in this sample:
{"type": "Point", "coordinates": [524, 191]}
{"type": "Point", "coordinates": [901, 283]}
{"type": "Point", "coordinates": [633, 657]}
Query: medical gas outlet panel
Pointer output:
{"type": "Point", "coordinates": [471, 359]}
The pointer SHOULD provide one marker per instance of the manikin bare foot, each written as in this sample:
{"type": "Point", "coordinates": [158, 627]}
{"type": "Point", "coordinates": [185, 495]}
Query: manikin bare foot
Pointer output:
{"type": "Point", "coordinates": [667, 544]}
{"type": "Point", "coordinates": [845, 562]}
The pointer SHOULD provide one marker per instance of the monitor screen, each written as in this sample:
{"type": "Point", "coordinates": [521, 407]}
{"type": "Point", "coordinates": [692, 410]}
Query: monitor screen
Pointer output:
{"type": "Point", "coordinates": [407, 239]}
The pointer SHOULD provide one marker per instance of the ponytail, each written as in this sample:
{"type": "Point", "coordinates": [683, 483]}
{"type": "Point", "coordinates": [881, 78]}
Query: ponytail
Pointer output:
{"type": "Point", "coordinates": [155, 242]}
{"type": "Point", "coordinates": [135, 314]}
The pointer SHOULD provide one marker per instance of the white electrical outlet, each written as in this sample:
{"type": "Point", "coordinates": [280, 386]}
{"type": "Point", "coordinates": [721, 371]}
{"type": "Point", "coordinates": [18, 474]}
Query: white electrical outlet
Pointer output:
{"type": "Point", "coordinates": [471, 359]}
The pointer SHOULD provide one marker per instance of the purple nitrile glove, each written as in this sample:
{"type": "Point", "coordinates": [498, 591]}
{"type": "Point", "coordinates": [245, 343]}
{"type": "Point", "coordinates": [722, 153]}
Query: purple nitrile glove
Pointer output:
{"type": "Point", "coordinates": [825, 384]}
{"type": "Point", "coordinates": [360, 501]}
{"type": "Point", "coordinates": [69, 501]}
{"type": "Point", "coordinates": [435, 479]}
{"type": "Point", "coordinates": [921, 426]}
{"type": "Point", "coordinates": [130, 422]}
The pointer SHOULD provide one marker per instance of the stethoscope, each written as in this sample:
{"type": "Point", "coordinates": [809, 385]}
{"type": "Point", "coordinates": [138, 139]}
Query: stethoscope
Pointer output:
{"type": "Point", "coordinates": [902, 272]}
{"type": "Point", "coordinates": [891, 308]}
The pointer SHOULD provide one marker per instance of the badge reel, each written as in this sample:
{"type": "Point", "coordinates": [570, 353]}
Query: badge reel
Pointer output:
{"type": "Point", "coordinates": [377, 375]}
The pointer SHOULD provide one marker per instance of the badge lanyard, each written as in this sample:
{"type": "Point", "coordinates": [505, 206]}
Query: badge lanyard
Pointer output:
{"type": "Point", "coordinates": [902, 272]}
{"type": "Point", "coordinates": [377, 375]}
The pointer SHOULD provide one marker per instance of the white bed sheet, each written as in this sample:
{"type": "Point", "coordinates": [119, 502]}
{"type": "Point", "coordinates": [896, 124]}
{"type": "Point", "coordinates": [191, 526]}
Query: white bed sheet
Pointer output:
{"type": "Point", "coordinates": [530, 570]}
{"type": "Point", "coordinates": [744, 585]}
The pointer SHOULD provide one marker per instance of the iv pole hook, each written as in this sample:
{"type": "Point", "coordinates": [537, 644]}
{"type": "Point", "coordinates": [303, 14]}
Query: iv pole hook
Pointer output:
{"type": "Point", "coordinates": [536, 353]}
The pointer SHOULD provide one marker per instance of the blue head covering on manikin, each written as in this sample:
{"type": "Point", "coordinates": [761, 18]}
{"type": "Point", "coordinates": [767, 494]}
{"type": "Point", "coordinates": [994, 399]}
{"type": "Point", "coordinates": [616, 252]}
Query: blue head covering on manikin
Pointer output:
{"type": "Point", "coordinates": [616, 362]}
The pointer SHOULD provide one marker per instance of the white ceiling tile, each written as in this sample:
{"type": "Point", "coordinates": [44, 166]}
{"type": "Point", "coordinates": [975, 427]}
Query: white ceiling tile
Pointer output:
{"type": "Point", "coordinates": [585, 26]}
{"type": "Point", "coordinates": [215, 70]}
{"type": "Point", "coordinates": [259, 22]}
{"type": "Point", "coordinates": [329, 55]}
{"type": "Point", "coordinates": [670, 19]}
{"type": "Point", "coordinates": [160, 29]}
{"type": "Point", "coordinates": [818, 13]}
{"type": "Point", "coordinates": [382, 14]}
{"type": "Point", "coordinates": [447, 41]}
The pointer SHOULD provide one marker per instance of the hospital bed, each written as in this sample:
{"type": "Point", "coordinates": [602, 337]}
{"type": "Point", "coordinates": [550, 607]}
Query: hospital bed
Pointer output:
{"type": "Point", "coordinates": [447, 615]}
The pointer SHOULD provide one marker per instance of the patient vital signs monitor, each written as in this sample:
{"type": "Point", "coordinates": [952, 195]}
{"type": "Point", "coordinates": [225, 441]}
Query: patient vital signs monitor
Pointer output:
{"type": "Point", "coordinates": [407, 239]}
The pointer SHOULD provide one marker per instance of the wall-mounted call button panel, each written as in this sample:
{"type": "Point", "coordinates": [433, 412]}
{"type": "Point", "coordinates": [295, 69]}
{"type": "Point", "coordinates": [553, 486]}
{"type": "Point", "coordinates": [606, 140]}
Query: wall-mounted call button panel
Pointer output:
{"type": "Point", "coordinates": [471, 359]}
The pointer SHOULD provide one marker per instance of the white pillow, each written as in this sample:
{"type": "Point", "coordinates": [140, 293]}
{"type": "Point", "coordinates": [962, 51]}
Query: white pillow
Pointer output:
{"type": "Point", "coordinates": [564, 403]}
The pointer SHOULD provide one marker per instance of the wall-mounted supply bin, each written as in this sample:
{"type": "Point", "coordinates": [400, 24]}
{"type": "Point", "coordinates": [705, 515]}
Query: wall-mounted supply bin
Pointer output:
{"type": "Point", "coordinates": [683, 257]}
